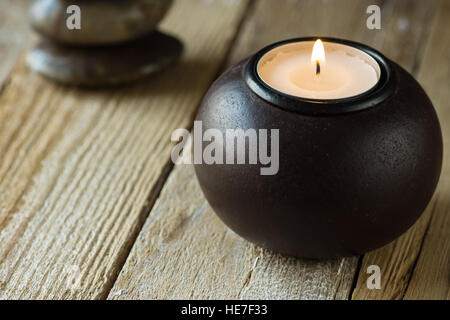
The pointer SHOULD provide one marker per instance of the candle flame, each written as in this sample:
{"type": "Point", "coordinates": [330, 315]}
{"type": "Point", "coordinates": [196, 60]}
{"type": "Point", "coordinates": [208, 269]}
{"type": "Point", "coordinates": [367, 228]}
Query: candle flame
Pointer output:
{"type": "Point", "coordinates": [318, 56]}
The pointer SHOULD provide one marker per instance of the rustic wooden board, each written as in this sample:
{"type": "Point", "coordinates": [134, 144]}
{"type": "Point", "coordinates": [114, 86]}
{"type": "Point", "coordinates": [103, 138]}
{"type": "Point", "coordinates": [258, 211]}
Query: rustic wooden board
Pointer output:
{"type": "Point", "coordinates": [431, 277]}
{"type": "Point", "coordinates": [184, 251]}
{"type": "Point", "coordinates": [398, 259]}
{"type": "Point", "coordinates": [13, 34]}
{"type": "Point", "coordinates": [79, 169]}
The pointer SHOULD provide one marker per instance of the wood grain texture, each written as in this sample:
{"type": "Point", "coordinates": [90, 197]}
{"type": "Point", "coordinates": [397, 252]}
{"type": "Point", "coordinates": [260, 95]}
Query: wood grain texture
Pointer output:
{"type": "Point", "coordinates": [184, 251]}
{"type": "Point", "coordinates": [398, 259]}
{"type": "Point", "coordinates": [79, 169]}
{"type": "Point", "coordinates": [431, 277]}
{"type": "Point", "coordinates": [14, 34]}
{"type": "Point", "coordinates": [404, 23]}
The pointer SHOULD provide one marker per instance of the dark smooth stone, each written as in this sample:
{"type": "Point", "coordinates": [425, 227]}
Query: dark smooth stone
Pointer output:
{"type": "Point", "coordinates": [102, 21]}
{"type": "Point", "coordinates": [109, 65]}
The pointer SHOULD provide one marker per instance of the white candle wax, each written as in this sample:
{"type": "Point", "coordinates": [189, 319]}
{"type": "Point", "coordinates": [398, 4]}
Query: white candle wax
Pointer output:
{"type": "Point", "coordinates": [344, 72]}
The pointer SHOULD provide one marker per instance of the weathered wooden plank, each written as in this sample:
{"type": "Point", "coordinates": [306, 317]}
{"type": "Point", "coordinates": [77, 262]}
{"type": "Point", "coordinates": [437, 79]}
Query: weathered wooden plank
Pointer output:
{"type": "Point", "coordinates": [79, 169]}
{"type": "Point", "coordinates": [430, 279]}
{"type": "Point", "coordinates": [403, 25]}
{"type": "Point", "coordinates": [14, 34]}
{"type": "Point", "coordinates": [431, 276]}
{"type": "Point", "coordinates": [397, 260]}
{"type": "Point", "coordinates": [184, 251]}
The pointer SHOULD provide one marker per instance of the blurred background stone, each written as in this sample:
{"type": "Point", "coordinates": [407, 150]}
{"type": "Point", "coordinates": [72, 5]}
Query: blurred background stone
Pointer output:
{"type": "Point", "coordinates": [103, 21]}
{"type": "Point", "coordinates": [117, 41]}
{"type": "Point", "coordinates": [107, 65]}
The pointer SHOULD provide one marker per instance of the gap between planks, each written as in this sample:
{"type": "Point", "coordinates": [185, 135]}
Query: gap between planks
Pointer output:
{"type": "Point", "coordinates": [165, 174]}
{"type": "Point", "coordinates": [184, 251]}
{"type": "Point", "coordinates": [78, 166]}
{"type": "Point", "coordinates": [404, 269]}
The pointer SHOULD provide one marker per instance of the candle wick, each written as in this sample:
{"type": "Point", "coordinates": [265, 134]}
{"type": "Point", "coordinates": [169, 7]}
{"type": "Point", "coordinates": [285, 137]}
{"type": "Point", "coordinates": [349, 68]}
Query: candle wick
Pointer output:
{"type": "Point", "coordinates": [317, 67]}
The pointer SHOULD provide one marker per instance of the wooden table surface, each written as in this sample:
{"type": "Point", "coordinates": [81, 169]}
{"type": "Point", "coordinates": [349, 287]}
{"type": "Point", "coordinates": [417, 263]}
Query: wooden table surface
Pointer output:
{"type": "Point", "coordinates": [91, 206]}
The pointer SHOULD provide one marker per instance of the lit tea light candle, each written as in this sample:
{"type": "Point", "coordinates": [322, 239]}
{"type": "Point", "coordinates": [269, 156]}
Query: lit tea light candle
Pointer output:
{"type": "Point", "coordinates": [326, 148]}
{"type": "Point", "coordinates": [317, 70]}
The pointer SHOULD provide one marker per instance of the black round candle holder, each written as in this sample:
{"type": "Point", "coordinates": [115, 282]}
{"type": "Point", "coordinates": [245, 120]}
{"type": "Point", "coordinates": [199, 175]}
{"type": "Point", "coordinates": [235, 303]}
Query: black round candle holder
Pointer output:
{"type": "Point", "coordinates": [354, 173]}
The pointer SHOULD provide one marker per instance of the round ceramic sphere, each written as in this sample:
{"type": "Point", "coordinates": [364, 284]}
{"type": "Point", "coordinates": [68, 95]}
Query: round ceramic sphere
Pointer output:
{"type": "Point", "coordinates": [102, 21]}
{"type": "Point", "coordinates": [354, 173]}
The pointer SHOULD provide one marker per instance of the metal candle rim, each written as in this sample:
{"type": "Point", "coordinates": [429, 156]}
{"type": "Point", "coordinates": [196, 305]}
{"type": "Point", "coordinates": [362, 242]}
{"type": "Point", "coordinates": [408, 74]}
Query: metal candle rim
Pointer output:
{"type": "Point", "coordinates": [322, 107]}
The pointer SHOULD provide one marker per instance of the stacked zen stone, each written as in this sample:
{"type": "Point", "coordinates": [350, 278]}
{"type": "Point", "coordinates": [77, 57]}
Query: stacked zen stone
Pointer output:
{"type": "Point", "coordinates": [100, 42]}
